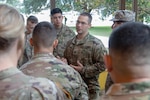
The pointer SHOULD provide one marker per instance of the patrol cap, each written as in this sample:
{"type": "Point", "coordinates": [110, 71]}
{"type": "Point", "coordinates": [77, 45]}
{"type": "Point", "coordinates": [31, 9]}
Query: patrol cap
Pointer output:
{"type": "Point", "coordinates": [124, 15]}
{"type": "Point", "coordinates": [32, 19]}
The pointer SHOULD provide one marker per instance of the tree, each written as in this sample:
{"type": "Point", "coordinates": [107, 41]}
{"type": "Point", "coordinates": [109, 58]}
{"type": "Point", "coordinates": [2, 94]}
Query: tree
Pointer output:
{"type": "Point", "coordinates": [16, 3]}
{"type": "Point", "coordinates": [66, 5]}
{"type": "Point", "coordinates": [143, 14]}
{"type": "Point", "coordinates": [106, 7]}
{"type": "Point", "coordinates": [144, 11]}
{"type": "Point", "coordinates": [32, 6]}
{"type": "Point", "coordinates": [86, 5]}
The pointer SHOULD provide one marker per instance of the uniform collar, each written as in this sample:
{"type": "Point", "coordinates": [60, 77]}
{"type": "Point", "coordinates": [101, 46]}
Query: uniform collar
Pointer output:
{"type": "Point", "coordinates": [61, 30]}
{"type": "Point", "coordinates": [129, 88]}
{"type": "Point", "coordinates": [79, 42]}
{"type": "Point", "coordinates": [8, 72]}
{"type": "Point", "coordinates": [37, 55]}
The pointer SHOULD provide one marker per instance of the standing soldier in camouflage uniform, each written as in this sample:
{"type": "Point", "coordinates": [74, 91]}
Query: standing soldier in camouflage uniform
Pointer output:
{"type": "Point", "coordinates": [85, 54]}
{"type": "Point", "coordinates": [128, 62]}
{"type": "Point", "coordinates": [44, 64]}
{"type": "Point", "coordinates": [14, 85]}
{"type": "Point", "coordinates": [64, 33]}
{"type": "Point", "coordinates": [28, 50]}
{"type": "Point", "coordinates": [120, 17]}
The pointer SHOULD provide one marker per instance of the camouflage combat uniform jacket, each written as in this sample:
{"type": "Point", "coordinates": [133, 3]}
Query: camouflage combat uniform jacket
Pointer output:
{"type": "Point", "coordinates": [48, 66]}
{"type": "Point", "coordinates": [28, 50]}
{"type": "Point", "coordinates": [63, 37]}
{"type": "Point", "coordinates": [128, 91]}
{"type": "Point", "coordinates": [14, 85]}
{"type": "Point", "coordinates": [89, 52]}
{"type": "Point", "coordinates": [109, 82]}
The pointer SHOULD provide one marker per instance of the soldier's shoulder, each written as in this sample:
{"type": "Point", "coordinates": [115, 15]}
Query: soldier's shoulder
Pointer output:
{"type": "Point", "coordinates": [42, 88]}
{"type": "Point", "coordinates": [61, 65]}
{"type": "Point", "coordinates": [69, 30]}
{"type": "Point", "coordinates": [93, 38]}
{"type": "Point", "coordinates": [33, 63]}
{"type": "Point", "coordinates": [25, 65]}
{"type": "Point", "coordinates": [95, 41]}
{"type": "Point", "coordinates": [27, 88]}
{"type": "Point", "coordinates": [64, 69]}
{"type": "Point", "coordinates": [126, 97]}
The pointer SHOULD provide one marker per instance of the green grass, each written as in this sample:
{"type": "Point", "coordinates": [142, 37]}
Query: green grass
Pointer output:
{"type": "Point", "coordinates": [99, 30]}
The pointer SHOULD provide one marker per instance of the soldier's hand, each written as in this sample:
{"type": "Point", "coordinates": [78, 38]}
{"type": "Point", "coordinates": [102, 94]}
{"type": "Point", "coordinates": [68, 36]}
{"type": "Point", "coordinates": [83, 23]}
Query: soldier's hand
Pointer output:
{"type": "Point", "coordinates": [62, 59]}
{"type": "Point", "coordinates": [79, 67]}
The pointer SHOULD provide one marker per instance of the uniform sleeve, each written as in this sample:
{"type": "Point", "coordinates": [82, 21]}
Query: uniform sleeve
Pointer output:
{"type": "Point", "coordinates": [109, 82]}
{"type": "Point", "coordinates": [80, 89]}
{"type": "Point", "coordinates": [98, 66]}
{"type": "Point", "coordinates": [83, 91]}
{"type": "Point", "coordinates": [66, 49]}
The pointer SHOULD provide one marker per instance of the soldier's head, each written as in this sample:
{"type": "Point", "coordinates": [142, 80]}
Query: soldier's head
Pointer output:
{"type": "Point", "coordinates": [11, 30]}
{"type": "Point", "coordinates": [129, 55]}
{"type": "Point", "coordinates": [56, 17]}
{"type": "Point", "coordinates": [83, 23]}
{"type": "Point", "coordinates": [31, 22]}
{"type": "Point", "coordinates": [122, 16]}
{"type": "Point", "coordinates": [44, 36]}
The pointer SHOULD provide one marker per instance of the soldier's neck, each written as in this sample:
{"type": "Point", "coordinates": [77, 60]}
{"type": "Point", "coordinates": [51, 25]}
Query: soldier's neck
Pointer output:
{"type": "Point", "coordinates": [43, 50]}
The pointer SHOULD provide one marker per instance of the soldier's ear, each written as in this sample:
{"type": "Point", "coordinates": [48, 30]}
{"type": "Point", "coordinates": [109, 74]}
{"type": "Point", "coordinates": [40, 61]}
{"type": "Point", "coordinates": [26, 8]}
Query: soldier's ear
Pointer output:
{"type": "Point", "coordinates": [90, 25]}
{"type": "Point", "coordinates": [31, 41]}
{"type": "Point", "coordinates": [55, 43]}
{"type": "Point", "coordinates": [108, 62]}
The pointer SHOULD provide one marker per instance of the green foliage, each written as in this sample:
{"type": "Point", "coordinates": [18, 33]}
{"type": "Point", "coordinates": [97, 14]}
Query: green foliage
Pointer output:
{"type": "Point", "coordinates": [86, 5]}
{"type": "Point", "coordinates": [107, 7]}
{"type": "Point", "coordinates": [144, 10]}
{"type": "Point", "coordinates": [15, 3]}
{"type": "Point", "coordinates": [12, 2]}
{"type": "Point", "coordinates": [65, 5]}
{"type": "Point", "coordinates": [32, 6]}
{"type": "Point", "coordinates": [78, 5]}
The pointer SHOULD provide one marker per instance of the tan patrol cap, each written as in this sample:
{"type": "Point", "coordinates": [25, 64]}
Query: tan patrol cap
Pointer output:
{"type": "Point", "coordinates": [124, 15]}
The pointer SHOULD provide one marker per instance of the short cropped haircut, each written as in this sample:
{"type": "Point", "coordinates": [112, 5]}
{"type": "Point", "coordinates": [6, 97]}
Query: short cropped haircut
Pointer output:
{"type": "Point", "coordinates": [131, 40]}
{"type": "Point", "coordinates": [12, 26]}
{"type": "Point", "coordinates": [44, 34]}
{"type": "Point", "coordinates": [88, 15]}
{"type": "Point", "coordinates": [32, 19]}
{"type": "Point", "coordinates": [55, 10]}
